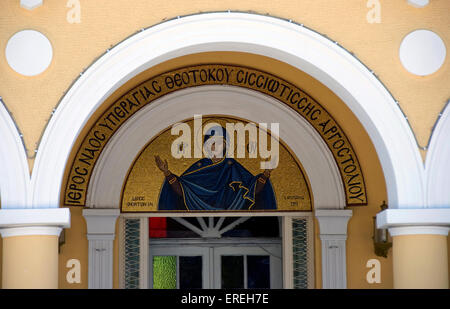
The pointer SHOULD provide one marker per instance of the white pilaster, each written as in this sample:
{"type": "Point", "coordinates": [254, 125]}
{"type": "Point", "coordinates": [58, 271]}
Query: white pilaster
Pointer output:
{"type": "Point", "coordinates": [333, 235]}
{"type": "Point", "coordinates": [101, 224]}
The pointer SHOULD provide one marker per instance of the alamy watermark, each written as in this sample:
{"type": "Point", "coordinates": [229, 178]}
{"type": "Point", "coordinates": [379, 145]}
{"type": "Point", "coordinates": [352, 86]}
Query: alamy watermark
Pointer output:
{"type": "Point", "coordinates": [374, 14]}
{"type": "Point", "coordinates": [216, 141]}
{"type": "Point", "coordinates": [374, 274]}
{"type": "Point", "coordinates": [74, 14]}
{"type": "Point", "coordinates": [74, 273]}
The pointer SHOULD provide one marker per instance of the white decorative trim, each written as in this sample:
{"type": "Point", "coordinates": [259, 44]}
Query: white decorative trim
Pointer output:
{"type": "Point", "coordinates": [101, 225]}
{"type": "Point", "coordinates": [59, 217]}
{"type": "Point", "coordinates": [100, 273]}
{"type": "Point", "coordinates": [113, 164]}
{"type": "Point", "coordinates": [438, 163]}
{"type": "Point", "coordinates": [30, 230]}
{"type": "Point", "coordinates": [14, 173]}
{"type": "Point", "coordinates": [419, 230]}
{"type": "Point", "coordinates": [413, 217]}
{"type": "Point", "coordinates": [333, 235]}
{"type": "Point", "coordinates": [334, 270]}
{"type": "Point", "coordinates": [279, 39]}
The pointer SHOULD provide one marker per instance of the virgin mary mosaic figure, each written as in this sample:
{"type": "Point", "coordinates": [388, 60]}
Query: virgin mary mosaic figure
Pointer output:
{"type": "Point", "coordinates": [215, 183]}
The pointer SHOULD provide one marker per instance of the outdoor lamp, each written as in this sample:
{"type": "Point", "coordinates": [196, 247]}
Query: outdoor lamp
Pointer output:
{"type": "Point", "coordinates": [61, 239]}
{"type": "Point", "coordinates": [381, 241]}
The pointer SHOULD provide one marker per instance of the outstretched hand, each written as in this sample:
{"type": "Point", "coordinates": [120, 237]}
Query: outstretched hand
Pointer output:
{"type": "Point", "coordinates": [162, 165]}
{"type": "Point", "coordinates": [267, 173]}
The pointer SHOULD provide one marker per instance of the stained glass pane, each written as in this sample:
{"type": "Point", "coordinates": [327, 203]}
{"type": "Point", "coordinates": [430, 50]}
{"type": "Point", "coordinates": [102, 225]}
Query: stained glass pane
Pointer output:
{"type": "Point", "coordinates": [157, 227]}
{"type": "Point", "coordinates": [164, 272]}
{"type": "Point", "coordinates": [258, 271]}
{"type": "Point", "coordinates": [232, 272]}
{"type": "Point", "coordinates": [169, 228]}
{"type": "Point", "coordinates": [191, 272]}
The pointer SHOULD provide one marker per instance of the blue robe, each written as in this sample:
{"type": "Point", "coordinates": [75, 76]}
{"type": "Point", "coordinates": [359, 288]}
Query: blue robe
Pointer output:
{"type": "Point", "coordinates": [224, 185]}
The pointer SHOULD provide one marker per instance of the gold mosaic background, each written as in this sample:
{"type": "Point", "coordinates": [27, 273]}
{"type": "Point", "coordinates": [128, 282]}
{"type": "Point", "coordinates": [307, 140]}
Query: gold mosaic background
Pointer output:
{"type": "Point", "coordinates": [145, 180]}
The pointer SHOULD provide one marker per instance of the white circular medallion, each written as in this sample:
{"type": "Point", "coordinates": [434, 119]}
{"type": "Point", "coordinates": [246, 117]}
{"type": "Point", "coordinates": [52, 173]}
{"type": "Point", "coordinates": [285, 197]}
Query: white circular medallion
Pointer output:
{"type": "Point", "coordinates": [422, 52]}
{"type": "Point", "coordinates": [29, 52]}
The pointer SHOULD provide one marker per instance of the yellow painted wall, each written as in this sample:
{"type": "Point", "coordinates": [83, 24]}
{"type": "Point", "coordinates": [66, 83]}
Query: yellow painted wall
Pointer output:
{"type": "Point", "coordinates": [105, 23]}
{"type": "Point", "coordinates": [30, 262]}
{"type": "Point", "coordinates": [420, 262]}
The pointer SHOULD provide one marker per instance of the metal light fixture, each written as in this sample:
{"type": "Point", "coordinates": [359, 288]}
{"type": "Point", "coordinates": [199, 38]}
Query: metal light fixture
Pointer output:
{"type": "Point", "coordinates": [381, 240]}
{"type": "Point", "coordinates": [61, 240]}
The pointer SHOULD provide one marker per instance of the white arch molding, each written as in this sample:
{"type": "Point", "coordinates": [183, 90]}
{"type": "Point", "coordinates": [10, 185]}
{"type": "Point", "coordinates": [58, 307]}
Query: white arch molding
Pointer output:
{"type": "Point", "coordinates": [16, 216]}
{"type": "Point", "coordinates": [242, 32]}
{"type": "Point", "coordinates": [438, 163]}
{"type": "Point", "coordinates": [14, 174]}
{"type": "Point", "coordinates": [113, 164]}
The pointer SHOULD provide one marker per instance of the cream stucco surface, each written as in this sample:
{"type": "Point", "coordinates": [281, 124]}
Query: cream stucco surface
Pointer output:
{"type": "Point", "coordinates": [30, 262]}
{"type": "Point", "coordinates": [420, 261]}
